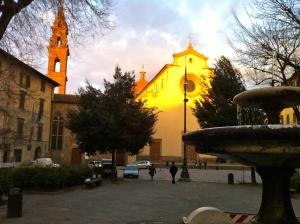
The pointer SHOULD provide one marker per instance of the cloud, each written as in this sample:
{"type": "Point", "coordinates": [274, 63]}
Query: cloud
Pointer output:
{"type": "Point", "coordinates": [149, 32]}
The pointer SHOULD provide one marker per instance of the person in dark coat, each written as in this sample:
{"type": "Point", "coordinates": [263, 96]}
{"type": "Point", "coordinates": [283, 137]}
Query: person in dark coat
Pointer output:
{"type": "Point", "coordinates": [152, 171]}
{"type": "Point", "coordinates": [173, 171]}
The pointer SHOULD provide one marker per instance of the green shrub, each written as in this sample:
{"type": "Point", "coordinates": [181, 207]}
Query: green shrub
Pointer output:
{"type": "Point", "coordinates": [6, 181]}
{"type": "Point", "coordinates": [48, 179]}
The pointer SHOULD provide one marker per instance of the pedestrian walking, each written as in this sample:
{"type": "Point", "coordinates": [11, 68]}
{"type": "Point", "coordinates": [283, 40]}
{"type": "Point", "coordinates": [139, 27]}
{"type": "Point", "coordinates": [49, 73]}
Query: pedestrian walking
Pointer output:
{"type": "Point", "coordinates": [173, 171]}
{"type": "Point", "coordinates": [205, 164]}
{"type": "Point", "coordinates": [152, 171]}
{"type": "Point", "coordinates": [200, 164]}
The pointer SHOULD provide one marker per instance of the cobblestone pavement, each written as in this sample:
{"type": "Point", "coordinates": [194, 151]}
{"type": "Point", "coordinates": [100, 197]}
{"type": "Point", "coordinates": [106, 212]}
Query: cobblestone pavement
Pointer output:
{"type": "Point", "coordinates": [139, 201]}
{"type": "Point", "coordinates": [208, 176]}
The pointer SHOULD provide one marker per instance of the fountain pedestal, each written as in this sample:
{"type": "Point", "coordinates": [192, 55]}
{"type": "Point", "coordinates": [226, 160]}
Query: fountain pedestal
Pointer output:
{"type": "Point", "coordinates": [276, 206]}
{"type": "Point", "coordinates": [273, 149]}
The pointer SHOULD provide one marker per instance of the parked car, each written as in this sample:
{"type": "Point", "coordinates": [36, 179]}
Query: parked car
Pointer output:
{"type": "Point", "coordinates": [45, 162]}
{"type": "Point", "coordinates": [131, 171]}
{"type": "Point", "coordinates": [143, 164]}
{"type": "Point", "coordinates": [95, 163]}
{"type": "Point", "coordinates": [107, 167]}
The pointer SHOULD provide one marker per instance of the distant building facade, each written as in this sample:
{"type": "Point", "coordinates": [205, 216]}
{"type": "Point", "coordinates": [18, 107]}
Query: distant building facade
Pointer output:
{"type": "Point", "coordinates": [25, 110]}
{"type": "Point", "coordinates": [63, 147]}
{"type": "Point", "coordinates": [287, 116]}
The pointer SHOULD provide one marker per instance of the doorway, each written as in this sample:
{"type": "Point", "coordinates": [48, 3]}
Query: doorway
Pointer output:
{"type": "Point", "coordinates": [37, 153]}
{"type": "Point", "coordinates": [155, 150]}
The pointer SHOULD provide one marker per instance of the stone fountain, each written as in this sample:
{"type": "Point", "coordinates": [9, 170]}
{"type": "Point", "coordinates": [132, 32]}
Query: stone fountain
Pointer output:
{"type": "Point", "coordinates": [273, 149]}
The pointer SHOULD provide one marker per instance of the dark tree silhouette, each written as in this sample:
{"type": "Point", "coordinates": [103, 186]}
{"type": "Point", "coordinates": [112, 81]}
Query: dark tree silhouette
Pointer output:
{"type": "Point", "coordinates": [112, 121]}
{"type": "Point", "coordinates": [216, 107]}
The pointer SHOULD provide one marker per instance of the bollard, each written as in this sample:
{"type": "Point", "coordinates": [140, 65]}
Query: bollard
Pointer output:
{"type": "Point", "coordinates": [167, 163]}
{"type": "Point", "coordinates": [230, 178]}
{"type": "Point", "coordinates": [14, 203]}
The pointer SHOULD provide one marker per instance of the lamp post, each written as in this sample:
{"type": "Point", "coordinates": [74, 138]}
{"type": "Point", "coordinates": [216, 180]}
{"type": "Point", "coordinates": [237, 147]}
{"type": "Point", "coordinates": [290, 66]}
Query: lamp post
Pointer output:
{"type": "Point", "coordinates": [185, 176]}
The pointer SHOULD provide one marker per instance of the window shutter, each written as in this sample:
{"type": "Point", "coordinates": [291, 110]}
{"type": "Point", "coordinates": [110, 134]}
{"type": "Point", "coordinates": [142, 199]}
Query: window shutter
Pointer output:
{"type": "Point", "coordinates": [27, 81]}
{"type": "Point", "coordinates": [22, 100]}
{"type": "Point", "coordinates": [21, 79]}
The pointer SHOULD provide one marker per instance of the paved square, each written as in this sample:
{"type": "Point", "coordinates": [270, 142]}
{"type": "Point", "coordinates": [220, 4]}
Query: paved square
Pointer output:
{"type": "Point", "coordinates": [138, 201]}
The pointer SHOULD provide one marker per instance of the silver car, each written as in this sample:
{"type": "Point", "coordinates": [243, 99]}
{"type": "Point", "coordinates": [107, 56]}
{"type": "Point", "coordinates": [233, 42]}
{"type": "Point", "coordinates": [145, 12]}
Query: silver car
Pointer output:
{"type": "Point", "coordinates": [143, 164]}
{"type": "Point", "coordinates": [131, 171]}
{"type": "Point", "coordinates": [95, 163]}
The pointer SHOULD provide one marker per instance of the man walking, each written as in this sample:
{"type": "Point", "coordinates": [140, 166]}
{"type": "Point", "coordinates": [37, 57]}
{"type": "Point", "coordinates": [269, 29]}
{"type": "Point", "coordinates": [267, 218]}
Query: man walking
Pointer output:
{"type": "Point", "coordinates": [173, 171]}
{"type": "Point", "coordinates": [152, 171]}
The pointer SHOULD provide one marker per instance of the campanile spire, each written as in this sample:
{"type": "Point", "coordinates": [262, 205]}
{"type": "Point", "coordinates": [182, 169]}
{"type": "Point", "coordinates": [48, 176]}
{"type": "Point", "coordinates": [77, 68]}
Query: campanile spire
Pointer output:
{"type": "Point", "coordinates": [58, 50]}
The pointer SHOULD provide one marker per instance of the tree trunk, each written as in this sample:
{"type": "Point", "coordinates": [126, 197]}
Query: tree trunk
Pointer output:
{"type": "Point", "coordinates": [8, 11]}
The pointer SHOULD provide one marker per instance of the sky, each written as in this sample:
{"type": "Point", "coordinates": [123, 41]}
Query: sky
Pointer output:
{"type": "Point", "coordinates": [149, 32]}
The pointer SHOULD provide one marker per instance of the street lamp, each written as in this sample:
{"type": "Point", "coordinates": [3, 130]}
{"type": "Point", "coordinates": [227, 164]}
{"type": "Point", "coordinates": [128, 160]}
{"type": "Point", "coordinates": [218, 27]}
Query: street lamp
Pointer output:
{"type": "Point", "coordinates": [185, 176]}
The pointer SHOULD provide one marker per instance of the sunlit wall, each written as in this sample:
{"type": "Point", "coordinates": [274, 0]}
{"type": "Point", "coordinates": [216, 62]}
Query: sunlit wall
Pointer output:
{"type": "Point", "coordinates": [166, 92]}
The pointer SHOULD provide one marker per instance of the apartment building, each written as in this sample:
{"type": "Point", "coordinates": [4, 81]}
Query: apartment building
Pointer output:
{"type": "Point", "coordinates": [25, 110]}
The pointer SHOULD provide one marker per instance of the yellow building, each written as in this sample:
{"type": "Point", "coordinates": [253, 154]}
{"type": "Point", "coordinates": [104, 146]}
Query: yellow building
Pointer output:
{"type": "Point", "coordinates": [25, 110]}
{"type": "Point", "coordinates": [166, 92]}
{"type": "Point", "coordinates": [288, 116]}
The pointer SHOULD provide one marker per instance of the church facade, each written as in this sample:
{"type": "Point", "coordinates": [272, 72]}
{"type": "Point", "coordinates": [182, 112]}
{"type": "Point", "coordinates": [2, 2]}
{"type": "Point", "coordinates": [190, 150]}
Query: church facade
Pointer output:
{"type": "Point", "coordinates": [166, 92]}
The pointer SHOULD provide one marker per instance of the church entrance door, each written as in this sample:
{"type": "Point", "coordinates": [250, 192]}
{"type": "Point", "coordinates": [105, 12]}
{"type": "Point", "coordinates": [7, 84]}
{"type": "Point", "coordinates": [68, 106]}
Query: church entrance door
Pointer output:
{"type": "Point", "coordinates": [37, 153]}
{"type": "Point", "coordinates": [155, 150]}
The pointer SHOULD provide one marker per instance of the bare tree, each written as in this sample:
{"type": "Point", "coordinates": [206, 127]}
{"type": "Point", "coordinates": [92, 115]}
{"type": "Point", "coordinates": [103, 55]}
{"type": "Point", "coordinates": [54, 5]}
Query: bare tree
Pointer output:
{"type": "Point", "coordinates": [269, 45]}
{"type": "Point", "coordinates": [25, 24]}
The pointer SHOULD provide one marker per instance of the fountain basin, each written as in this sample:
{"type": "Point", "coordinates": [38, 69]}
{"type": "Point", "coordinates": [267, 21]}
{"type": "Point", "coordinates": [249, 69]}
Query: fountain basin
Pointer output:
{"type": "Point", "coordinates": [287, 96]}
{"type": "Point", "coordinates": [258, 145]}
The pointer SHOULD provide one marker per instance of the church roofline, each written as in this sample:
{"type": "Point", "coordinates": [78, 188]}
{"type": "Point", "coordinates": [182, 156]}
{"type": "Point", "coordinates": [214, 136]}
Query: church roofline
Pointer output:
{"type": "Point", "coordinates": [190, 51]}
{"type": "Point", "coordinates": [21, 63]}
{"type": "Point", "coordinates": [154, 78]}
{"type": "Point", "coordinates": [65, 98]}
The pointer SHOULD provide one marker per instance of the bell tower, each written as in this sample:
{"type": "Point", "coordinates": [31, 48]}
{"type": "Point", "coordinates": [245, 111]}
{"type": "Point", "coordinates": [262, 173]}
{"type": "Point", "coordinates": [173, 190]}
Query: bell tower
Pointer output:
{"type": "Point", "coordinates": [58, 50]}
{"type": "Point", "coordinates": [141, 83]}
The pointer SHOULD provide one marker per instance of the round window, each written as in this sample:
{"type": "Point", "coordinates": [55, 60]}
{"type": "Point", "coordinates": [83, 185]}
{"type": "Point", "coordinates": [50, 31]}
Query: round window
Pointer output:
{"type": "Point", "coordinates": [190, 87]}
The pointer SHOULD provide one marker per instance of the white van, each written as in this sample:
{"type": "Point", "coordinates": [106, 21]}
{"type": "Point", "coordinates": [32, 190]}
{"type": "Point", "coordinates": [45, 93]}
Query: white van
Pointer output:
{"type": "Point", "coordinates": [45, 162]}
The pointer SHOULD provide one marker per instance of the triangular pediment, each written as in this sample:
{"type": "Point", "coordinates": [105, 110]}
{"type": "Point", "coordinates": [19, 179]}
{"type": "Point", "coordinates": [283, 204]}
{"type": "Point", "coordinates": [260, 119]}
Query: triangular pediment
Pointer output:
{"type": "Point", "coordinates": [190, 51]}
